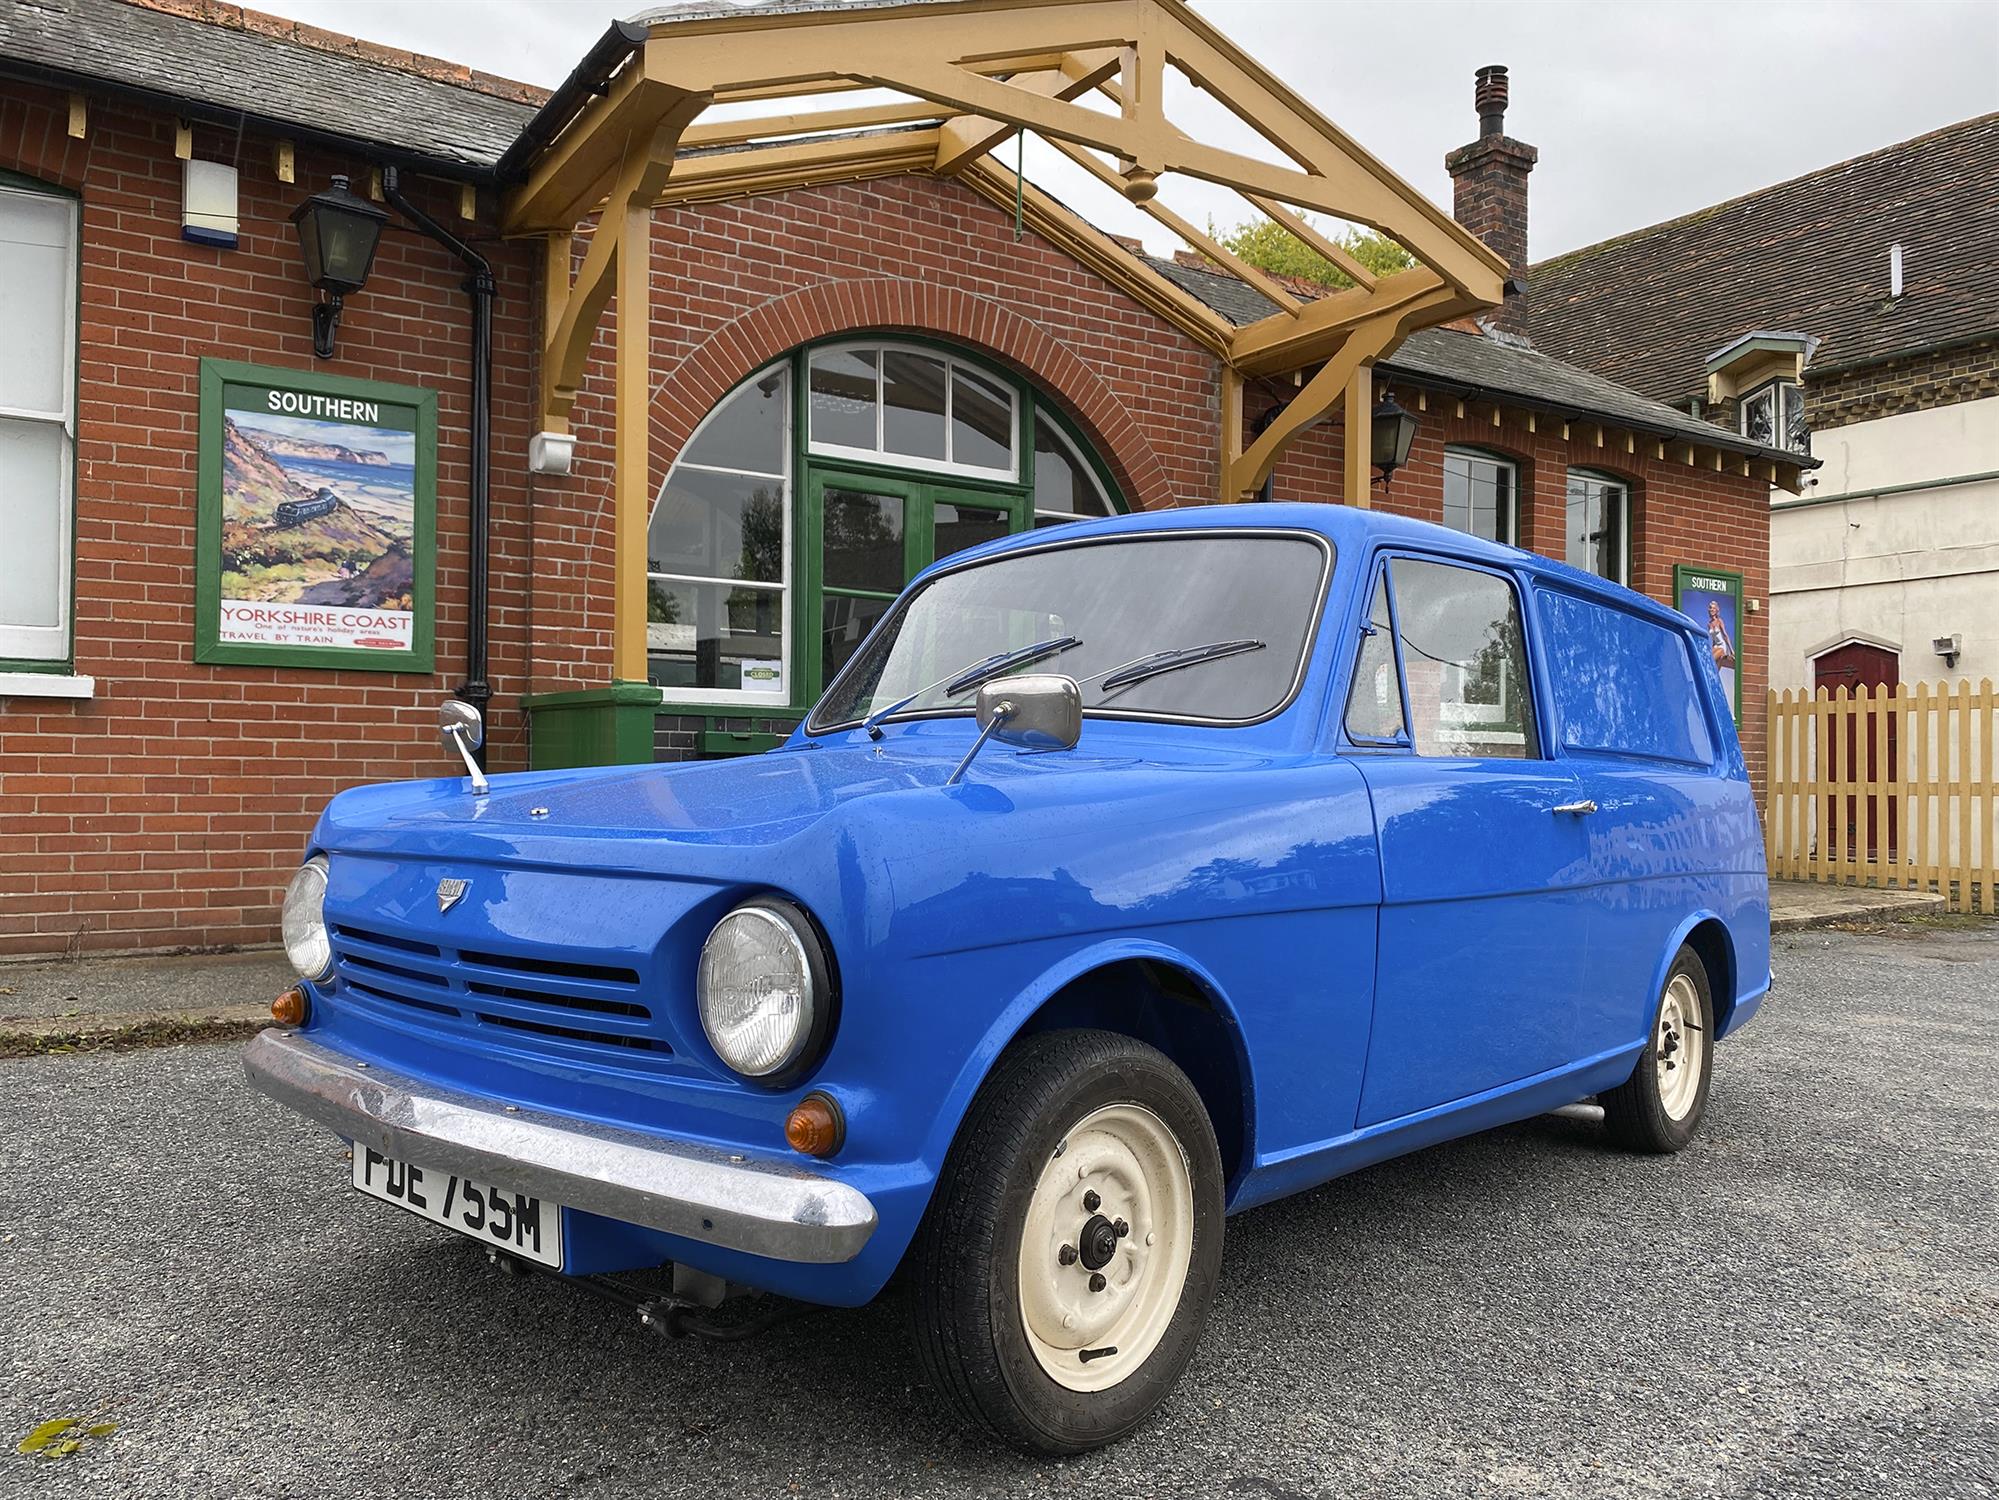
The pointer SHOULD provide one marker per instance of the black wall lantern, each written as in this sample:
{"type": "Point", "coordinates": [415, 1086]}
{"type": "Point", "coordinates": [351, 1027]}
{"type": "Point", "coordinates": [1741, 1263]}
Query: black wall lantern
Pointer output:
{"type": "Point", "coordinates": [337, 235]}
{"type": "Point", "coordinates": [1394, 433]}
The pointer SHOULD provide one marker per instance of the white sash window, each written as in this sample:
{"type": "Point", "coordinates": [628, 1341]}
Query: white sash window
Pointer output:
{"type": "Point", "coordinates": [38, 258]}
{"type": "Point", "coordinates": [1479, 492]}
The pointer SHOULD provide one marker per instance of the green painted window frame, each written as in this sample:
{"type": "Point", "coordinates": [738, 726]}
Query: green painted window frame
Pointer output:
{"type": "Point", "coordinates": [65, 664]}
{"type": "Point", "coordinates": [922, 490]}
{"type": "Point", "coordinates": [920, 499]}
{"type": "Point", "coordinates": [217, 377]}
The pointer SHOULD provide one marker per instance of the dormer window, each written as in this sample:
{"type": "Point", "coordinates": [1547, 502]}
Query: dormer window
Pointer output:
{"type": "Point", "coordinates": [1774, 415]}
{"type": "Point", "coordinates": [1763, 372]}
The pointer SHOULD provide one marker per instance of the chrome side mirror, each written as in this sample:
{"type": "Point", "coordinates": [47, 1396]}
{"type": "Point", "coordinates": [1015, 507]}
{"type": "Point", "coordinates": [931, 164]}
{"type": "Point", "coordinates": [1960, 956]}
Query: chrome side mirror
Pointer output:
{"type": "Point", "coordinates": [1040, 711]}
{"type": "Point", "coordinates": [460, 725]}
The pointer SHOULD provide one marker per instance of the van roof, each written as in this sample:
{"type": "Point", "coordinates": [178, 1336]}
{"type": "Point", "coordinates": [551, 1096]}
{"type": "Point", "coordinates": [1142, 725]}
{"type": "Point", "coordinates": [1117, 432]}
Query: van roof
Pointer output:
{"type": "Point", "coordinates": [1347, 528]}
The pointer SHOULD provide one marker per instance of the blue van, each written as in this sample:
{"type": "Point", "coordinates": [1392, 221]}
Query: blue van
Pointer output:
{"type": "Point", "coordinates": [1132, 873]}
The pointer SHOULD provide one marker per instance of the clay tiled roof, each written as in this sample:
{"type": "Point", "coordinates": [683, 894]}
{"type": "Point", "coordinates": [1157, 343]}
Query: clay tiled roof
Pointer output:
{"type": "Point", "coordinates": [222, 60]}
{"type": "Point", "coordinates": [1647, 308]}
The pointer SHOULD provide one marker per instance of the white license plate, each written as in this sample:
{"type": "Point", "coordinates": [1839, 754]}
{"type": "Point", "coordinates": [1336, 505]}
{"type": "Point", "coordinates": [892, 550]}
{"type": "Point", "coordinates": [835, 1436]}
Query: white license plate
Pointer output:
{"type": "Point", "coordinates": [515, 1222]}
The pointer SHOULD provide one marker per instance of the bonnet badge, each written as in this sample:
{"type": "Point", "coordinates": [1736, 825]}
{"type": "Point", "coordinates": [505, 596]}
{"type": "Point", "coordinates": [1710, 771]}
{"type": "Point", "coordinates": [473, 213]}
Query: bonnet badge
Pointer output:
{"type": "Point", "coordinates": [450, 891]}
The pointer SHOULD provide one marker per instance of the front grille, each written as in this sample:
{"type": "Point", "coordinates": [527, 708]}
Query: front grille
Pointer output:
{"type": "Point", "coordinates": [550, 1001]}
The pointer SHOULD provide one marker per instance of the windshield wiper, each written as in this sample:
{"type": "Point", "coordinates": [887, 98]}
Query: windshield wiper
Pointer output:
{"type": "Point", "coordinates": [966, 678]}
{"type": "Point", "coordinates": [1005, 661]}
{"type": "Point", "coordinates": [1145, 668]}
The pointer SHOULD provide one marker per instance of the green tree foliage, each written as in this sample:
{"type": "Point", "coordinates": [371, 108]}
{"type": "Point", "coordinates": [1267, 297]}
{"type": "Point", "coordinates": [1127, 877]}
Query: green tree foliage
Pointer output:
{"type": "Point", "coordinates": [1269, 246]}
{"type": "Point", "coordinates": [662, 608]}
{"type": "Point", "coordinates": [763, 537]}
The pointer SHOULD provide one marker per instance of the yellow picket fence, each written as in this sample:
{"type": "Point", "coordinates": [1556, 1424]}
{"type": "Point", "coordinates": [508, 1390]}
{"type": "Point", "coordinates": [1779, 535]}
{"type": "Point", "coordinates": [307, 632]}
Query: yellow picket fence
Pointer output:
{"type": "Point", "coordinates": [1893, 787]}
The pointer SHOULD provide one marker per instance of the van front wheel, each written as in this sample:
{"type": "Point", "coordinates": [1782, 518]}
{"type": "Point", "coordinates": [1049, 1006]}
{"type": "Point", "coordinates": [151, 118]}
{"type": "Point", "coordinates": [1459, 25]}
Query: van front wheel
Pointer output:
{"type": "Point", "coordinates": [1659, 1107]}
{"type": "Point", "coordinates": [1066, 1266]}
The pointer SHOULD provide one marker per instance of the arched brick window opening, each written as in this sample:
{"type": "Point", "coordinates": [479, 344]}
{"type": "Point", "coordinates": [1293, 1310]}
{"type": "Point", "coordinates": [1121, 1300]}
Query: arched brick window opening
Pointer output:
{"type": "Point", "coordinates": [892, 307]}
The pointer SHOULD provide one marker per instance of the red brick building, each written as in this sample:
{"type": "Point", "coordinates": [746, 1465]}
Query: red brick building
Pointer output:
{"type": "Point", "coordinates": [850, 378]}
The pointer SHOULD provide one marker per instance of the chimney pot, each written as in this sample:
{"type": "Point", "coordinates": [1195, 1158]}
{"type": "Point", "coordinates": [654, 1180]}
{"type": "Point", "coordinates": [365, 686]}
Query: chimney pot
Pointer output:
{"type": "Point", "coordinates": [1489, 94]}
{"type": "Point", "coordinates": [1489, 191]}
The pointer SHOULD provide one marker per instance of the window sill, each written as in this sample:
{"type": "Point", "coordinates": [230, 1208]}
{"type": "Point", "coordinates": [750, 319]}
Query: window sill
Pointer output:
{"type": "Point", "coordinates": [46, 685]}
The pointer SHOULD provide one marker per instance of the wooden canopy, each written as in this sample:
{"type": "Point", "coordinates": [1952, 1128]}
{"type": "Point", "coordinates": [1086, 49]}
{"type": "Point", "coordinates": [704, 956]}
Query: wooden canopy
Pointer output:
{"type": "Point", "coordinates": [1088, 77]}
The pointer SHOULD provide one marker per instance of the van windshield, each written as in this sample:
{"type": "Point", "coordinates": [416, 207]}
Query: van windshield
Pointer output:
{"type": "Point", "coordinates": [1198, 627]}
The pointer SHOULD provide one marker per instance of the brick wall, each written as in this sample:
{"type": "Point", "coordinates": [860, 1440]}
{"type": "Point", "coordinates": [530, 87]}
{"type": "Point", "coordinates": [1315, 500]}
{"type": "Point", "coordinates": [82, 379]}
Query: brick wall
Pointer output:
{"type": "Point", "coordinates": [1937, 377]}
{"type": "Point", "coordinates": [170, 809]}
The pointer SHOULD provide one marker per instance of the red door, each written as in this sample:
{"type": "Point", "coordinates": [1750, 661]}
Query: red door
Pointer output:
{"type": "Point", "coordinates": [1856, 665]}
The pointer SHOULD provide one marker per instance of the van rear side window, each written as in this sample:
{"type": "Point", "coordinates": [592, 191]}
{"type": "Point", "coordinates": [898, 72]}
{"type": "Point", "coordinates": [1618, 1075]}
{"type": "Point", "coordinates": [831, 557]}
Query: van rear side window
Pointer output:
{"type": "Point", "coordinates": [1622, 685]}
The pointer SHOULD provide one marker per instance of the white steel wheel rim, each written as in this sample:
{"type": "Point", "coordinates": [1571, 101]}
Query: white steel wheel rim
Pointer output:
{"type": "Point", "coordinates": [1680, 1048]}
{"type": "Point", "coordinates": [1124, 1160]}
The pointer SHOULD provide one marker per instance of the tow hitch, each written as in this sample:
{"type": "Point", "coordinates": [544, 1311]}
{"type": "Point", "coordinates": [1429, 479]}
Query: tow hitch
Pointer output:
{"type": "Point", "coordinates": [685, 1311]}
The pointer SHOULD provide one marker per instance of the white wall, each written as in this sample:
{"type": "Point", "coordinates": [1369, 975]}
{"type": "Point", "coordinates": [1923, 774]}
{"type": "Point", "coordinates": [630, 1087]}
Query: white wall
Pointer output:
{"type": "Point", "coordinates": [1898, 569]}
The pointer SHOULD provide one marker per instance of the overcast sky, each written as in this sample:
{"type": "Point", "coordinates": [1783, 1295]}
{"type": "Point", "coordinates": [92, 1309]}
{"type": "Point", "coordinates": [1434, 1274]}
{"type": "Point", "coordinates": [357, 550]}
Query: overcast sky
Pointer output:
{"type": "Point", "coordinates": [1642, 110]}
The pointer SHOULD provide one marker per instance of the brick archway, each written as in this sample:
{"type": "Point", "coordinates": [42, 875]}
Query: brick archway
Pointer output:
{"type": "Point", "coordinates": [886, 304]}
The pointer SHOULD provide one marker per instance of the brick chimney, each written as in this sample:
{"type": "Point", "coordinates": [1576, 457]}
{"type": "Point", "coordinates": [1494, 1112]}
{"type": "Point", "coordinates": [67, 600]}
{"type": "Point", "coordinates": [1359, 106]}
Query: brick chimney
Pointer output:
{"type": "Point", "coordinates": [1490, 191]}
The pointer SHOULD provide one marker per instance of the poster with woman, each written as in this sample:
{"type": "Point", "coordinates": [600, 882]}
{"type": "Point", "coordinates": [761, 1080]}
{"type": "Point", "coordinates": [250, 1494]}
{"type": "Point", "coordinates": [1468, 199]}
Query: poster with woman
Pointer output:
{"type": "Point", "coordinates": [315, 522]}
{"type": "Point", "coordinates": [1712, 599]}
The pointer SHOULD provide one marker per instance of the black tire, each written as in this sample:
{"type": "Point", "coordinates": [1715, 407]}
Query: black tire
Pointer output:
{"type": "Point", "coordinates": [971, 1333]}
{"type": "Point", "coordinates": [1636, 1113]}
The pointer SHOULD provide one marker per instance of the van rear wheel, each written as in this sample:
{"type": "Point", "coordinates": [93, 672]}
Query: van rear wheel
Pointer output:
{"type": "Point", "coordinates": [1659, 1107]}
{"type": "Point", "coordinates": [1066, 1266]}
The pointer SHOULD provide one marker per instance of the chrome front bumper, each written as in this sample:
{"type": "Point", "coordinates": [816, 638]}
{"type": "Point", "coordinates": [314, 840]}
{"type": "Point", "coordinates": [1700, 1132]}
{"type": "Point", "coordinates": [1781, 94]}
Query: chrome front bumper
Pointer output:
{"type": "Point", "coordinates": [704, 1194]}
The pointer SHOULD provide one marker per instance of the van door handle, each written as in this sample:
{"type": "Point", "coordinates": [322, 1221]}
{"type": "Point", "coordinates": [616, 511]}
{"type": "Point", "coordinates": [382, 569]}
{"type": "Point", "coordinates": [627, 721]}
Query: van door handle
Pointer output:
{"type": "Point", "coordinates": [1585, 806]}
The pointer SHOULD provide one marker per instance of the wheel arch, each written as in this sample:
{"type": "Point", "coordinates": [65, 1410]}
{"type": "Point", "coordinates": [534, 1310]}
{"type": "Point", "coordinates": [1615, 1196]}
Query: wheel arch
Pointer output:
{"type": "Point", "coordinates": [1707, 934]}
{"type": "Point", "coordinates": [1154, 994]}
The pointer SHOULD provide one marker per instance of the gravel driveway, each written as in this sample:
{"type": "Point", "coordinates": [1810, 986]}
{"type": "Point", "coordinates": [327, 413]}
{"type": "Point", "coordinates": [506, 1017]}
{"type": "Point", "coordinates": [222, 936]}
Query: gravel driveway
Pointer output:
{"type": "Point", "coordinates": [1804, 1303]}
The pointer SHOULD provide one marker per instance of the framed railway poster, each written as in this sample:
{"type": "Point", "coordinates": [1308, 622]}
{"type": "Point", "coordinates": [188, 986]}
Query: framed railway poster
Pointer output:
{"type": "Point", "coordinates": [315, 536]}
{"type": "Point", "coordinates": [1712, 599]}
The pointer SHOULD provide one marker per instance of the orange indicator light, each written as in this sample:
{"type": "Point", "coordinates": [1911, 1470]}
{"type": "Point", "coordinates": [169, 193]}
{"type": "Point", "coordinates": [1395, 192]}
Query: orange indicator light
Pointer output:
{"type": "Point", "coordinates": [816, 1126]}
{"type": "Point", "coordinates": [289, 1008]}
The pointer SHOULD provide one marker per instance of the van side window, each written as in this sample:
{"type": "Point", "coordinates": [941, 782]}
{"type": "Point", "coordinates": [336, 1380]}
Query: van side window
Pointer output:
{"type": "Point", "coordinates": [1374, 705]}
{"type": "Point", "coordinates": [1464, 662]}
{"type": "Point", "coordinates": [1622, 685]}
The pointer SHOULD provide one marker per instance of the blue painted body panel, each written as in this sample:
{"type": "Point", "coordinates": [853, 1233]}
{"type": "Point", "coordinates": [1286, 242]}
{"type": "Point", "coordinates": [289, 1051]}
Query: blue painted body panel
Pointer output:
{"type": "Point", "coordinates": [1403, 949]}
{"type": "Point", "coordinates": [1485, 918]}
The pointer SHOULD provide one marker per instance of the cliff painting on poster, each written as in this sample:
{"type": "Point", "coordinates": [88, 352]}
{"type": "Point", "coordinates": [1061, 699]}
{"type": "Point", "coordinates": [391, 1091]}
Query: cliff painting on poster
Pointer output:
{"type": "Point", "coordinates": [319, 537]}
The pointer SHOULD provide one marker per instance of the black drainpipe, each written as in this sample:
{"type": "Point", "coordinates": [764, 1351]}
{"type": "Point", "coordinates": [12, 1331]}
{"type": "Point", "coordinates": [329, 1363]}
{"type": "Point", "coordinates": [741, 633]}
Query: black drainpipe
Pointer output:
{"type": "Point", "coordinates": [475, 690]}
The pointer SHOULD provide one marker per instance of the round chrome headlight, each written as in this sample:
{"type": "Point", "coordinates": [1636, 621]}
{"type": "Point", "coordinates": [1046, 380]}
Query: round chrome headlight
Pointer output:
{"type": "Point", "coordinates": [764, 990]}
{"type": "Point", "coordinates": [304, 920]}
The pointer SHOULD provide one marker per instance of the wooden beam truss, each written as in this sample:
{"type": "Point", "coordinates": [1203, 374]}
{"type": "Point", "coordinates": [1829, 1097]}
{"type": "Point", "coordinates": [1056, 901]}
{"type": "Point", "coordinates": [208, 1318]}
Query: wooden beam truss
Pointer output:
{"type": "Point", "coordinates": [976, 73]}
{"type": "Point", "coordinates": [976, 56]}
